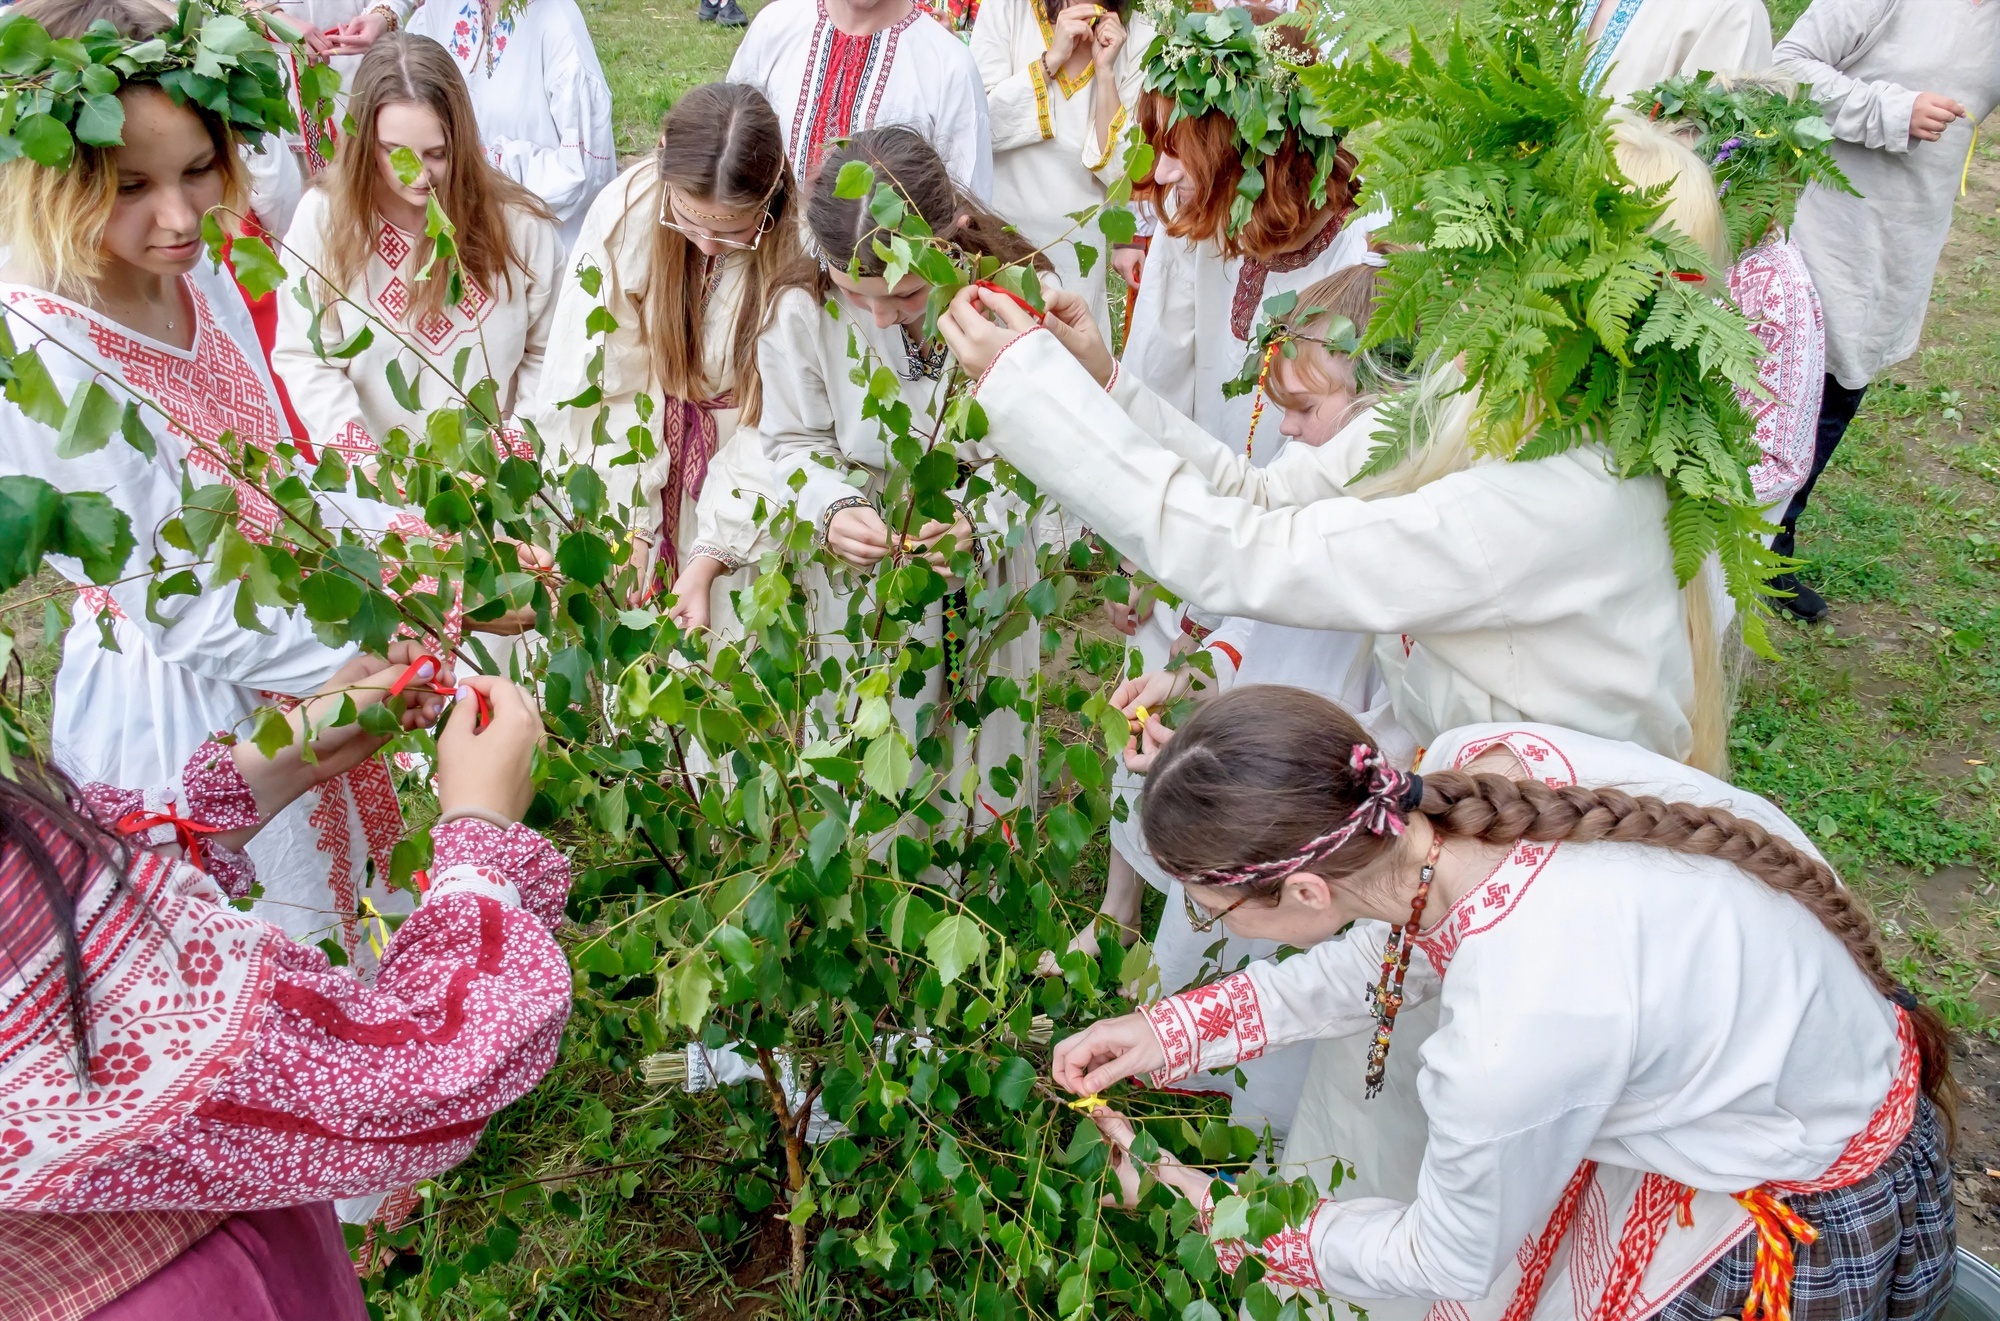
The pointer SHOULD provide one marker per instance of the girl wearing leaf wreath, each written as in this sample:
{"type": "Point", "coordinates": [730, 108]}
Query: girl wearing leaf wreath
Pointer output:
{"type": "Point", "coordinates": [186, 1088]}
{"type": "Point", "coordinates": [133, 359]}
{"type": "Point", "coordinates": [1243, 219]}
{"type": "Point", "coordinates": [844, 316]}
{"type": "Point", "coordinates": [380, 323]}
{"type": "Point", "coordinates": [656, 334]}
{"type": "Point", "coordinates": [1493, 590]}
{"type": "Point", "coordinates": [1060, 83]}
{"type": "Point", "coordinates": [1673, 1079]}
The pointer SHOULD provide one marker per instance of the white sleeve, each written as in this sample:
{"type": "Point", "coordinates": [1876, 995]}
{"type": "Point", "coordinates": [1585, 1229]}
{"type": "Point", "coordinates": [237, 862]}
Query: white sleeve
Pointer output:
{"type": "Point", "coordinates": [740, 477]}
{"type": "Point", "coordinates": [797, 425]}
{"type": "Point", "coordinates": [1827, 36]}
{"type": "Point", "coordinates": [1473, 550]}
{"type": "Point", "coordinates": [322, 393]}
{"type": "Point", "coordinates": [1737, 39]}
{"type": "Point", "coordinates": [1017, 99]}
{"type": "Point", "coordinates": [544, 279]}
{"type": "Point", "coordinates": [566, 176]}
{"type": "Point", "coordinates": [1159, 343]}
{"type": "Point", "coordinates": [965, 132]}
{"type": "Point", "coordinates": [1300, 475]}
{"type": "Point", "coordinates": [199, 633]}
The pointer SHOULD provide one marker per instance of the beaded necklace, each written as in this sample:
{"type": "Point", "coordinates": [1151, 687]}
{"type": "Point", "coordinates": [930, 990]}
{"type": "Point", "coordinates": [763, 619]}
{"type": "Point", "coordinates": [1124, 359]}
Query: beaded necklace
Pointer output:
{"type": "Point", "coordinates": [1387, 994]}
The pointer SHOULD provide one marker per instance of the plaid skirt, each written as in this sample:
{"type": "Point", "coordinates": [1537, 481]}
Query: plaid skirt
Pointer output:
{"type": "Point", "coordinates": [1885, 1248]}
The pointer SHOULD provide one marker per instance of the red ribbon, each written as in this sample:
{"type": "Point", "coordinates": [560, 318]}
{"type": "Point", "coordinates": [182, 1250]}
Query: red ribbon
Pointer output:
{"type": "Point", "coordinates": [481, 702]}
{"type": "Point", "coordinates": [186, 832]}
{"type": "Point", "coordinates": [1019, 301]}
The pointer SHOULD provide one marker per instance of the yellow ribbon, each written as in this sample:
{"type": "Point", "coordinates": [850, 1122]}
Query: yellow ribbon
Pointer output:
{"type": "Point", "coordinates": [1086, 1104]}
{"type": "Point", "coordinates": [377, 929]}
{"type": "Point", "coordinates": [1965, 175]}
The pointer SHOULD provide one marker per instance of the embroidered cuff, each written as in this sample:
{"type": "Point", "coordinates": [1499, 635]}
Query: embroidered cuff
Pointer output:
{"type": "Point", "coordinates": [729, 560]}
{"type": "Point", "coordinates": [833, 507]}
{"type": "Point", "coordinates": [1110, 141]}
{"type": "Point", "coordinates": [1038, 78]}
{"type": "Point", "coordinates": [981, 382]}
{"type": "Point", "coordinates": [1111, 386]}
{"type": "Point", "coordinates": [515, 865]}
{"type": "Point", "coordinates": [1210, 1027]}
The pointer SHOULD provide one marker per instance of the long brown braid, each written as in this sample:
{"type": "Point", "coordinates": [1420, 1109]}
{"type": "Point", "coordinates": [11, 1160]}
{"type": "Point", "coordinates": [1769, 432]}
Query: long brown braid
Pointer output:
{"type": "Point", "coordinates": [1260, 772]}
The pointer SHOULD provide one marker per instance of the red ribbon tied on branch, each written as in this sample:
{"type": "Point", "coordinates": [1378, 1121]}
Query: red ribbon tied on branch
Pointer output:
{"type": "Point", "coordinates": [413, 673]}
{"type": "Point", "coordinates": [187, 833]}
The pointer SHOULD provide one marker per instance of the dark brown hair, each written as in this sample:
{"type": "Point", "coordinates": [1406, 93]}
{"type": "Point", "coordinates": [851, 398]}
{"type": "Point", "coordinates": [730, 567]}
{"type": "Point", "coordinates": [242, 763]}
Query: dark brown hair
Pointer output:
{"type": "Point", "coordinates": [403, 69]}
{"type": "Point", "coordinates": [49, 850]}
{"type": "Point", "coordinates": [1259, 773]}
{"type": "Point", "coordinates": [843, 229]}
{"type": "Point", "coordinates": [1206, 146]}
{"type": "Point", "coordinates": [721, 142]}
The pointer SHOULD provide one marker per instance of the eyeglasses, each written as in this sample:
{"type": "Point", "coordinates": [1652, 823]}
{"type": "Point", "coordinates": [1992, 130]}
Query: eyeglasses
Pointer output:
{"type": "Point", "coordinates": [1200, 919]}
{"type": "Point", "coordinates": [734, 245]}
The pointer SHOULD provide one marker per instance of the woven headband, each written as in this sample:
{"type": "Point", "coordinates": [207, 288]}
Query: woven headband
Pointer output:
{"type": "Point", "coordinates": [1392, 796]}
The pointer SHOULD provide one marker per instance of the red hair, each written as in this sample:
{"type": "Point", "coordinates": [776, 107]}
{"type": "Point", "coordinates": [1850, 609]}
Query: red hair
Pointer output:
{"type": "Point", "coordinates": [1206, 146]}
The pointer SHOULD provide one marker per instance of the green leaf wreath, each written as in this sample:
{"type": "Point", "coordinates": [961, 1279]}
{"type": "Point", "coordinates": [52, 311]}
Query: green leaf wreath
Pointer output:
{"type": "Point", "coordinates": [1221, 60]}
{"type": "Point", "coordinates": [1764, 145]}
{"type": "Point", "coordinates": [221, 55]}
{"type": "Point", "coordinates": [1523, 248]}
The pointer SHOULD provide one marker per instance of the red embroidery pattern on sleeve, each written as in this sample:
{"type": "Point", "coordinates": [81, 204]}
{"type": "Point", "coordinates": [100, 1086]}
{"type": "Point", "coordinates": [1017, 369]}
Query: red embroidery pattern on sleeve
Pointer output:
{"type": "Point", "coordinates": [1209, 1026]}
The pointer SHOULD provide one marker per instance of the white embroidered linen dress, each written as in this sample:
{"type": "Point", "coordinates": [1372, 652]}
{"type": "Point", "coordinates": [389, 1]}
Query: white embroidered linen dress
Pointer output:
{"type": "Point", "coordinates": [1047, 159]}
{"type": "Point", "coordinates": [539, 94]}
{"type": "Point", "coordinates": [826, 85]}
{"type": "Point", "coordinates": [133, 716]}
{"type": "Point", "coordinates": [617, 241]}
{"type": "Point", "coordinates": [1505, 591]}
{"type": "Point", "coordinates": [348, 403]}
{"type": "Point", "coordinates": [814, 429]}
{"type": "Point", "coordinates": [1872, 257]}
{"type": "Point", "coordinates": [1664, 1016]}
{"type": "Point", "coordinates": [1646, 42]}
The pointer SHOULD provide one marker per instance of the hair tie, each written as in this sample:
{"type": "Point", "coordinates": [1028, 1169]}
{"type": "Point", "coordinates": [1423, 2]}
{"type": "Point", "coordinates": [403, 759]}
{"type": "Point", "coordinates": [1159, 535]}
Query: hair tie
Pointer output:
{"type": "Point", "coordinates": [1384, 809]}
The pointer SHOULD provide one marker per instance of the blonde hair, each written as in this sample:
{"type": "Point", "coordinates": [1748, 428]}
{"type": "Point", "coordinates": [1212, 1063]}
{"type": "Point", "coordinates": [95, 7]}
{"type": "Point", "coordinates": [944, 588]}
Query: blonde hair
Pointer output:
{"type": "Point", "coordinates": [53, 219]}
{"type": "Point", "coordinates": [1650, 155]}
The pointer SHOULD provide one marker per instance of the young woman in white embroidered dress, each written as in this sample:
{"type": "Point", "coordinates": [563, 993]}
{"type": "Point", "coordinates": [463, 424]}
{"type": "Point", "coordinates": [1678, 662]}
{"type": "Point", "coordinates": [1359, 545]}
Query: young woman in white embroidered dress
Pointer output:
{"type": "Point", "coordinates": [1662, 1013]}
{"type": "Point", "coordinates": [816, 432]}
{"type": "Point", "coordinates": [688, 246]}
{"type": "Point", "coordinates": [1484, 601]}
{"type": "Point", "coordinates": [359, 243]}
{"type": "Point", "coordinates": [832, 68]}
{"type": "Point", "coordinates": [538, 92]}
{"type": "Point", "coordinates": [198, 1161]}
{"type": "Point", "coordinates": [107, 277]}
{"type": "Point", "coordinates": [1060, 82]}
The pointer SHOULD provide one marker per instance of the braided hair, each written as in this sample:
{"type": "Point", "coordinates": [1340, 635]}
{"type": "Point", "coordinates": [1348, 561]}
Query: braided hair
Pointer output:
{"type": "Point", "coordinates": [1259, 775]}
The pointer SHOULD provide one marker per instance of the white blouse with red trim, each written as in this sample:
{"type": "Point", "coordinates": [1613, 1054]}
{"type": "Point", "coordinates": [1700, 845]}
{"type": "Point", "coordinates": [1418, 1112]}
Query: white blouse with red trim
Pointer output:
{"type": "Point", "coordinates": [232, 1068]}
{"type": "Point", "coordinates": [1615, 1003]}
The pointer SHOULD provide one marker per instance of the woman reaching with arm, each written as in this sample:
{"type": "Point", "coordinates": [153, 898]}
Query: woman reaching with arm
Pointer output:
{"type": "Point", "coordinates": [1661, 1015]}
{"type": "Point", "coordinates": [151, 1165]}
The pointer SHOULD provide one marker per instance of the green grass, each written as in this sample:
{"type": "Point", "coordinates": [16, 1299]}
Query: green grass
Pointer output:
{"type": "Point", "coordinates": [652, 51]}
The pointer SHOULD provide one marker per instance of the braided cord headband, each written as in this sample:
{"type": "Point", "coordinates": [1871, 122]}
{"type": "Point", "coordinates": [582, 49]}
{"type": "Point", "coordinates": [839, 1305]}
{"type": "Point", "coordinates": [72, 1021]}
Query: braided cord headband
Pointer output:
{"type": "Point", "coordinates": [221, 55]}
{"type": "Point", "coordinates": [1392, 796]}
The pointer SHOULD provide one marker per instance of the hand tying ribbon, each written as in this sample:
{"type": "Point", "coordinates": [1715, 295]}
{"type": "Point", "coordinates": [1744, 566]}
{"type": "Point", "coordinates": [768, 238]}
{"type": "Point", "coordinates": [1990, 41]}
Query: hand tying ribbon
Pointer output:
{"type": "Point", "coordinates": [416, 672]}
{"type": "Point", "coordinates": [187, 832]}
{"type": "Point", "coordinates": [1019, 301]}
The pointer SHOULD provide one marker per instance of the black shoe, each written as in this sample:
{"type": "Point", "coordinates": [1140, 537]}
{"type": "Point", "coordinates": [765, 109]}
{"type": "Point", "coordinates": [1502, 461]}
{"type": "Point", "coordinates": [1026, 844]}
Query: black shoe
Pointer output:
{"type": "Point", "coordinates": [732, 15]}
{"type": "Point", "coordinates": [708, 11]}
{"type": "Point", "coordinates": [1804, 604]}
